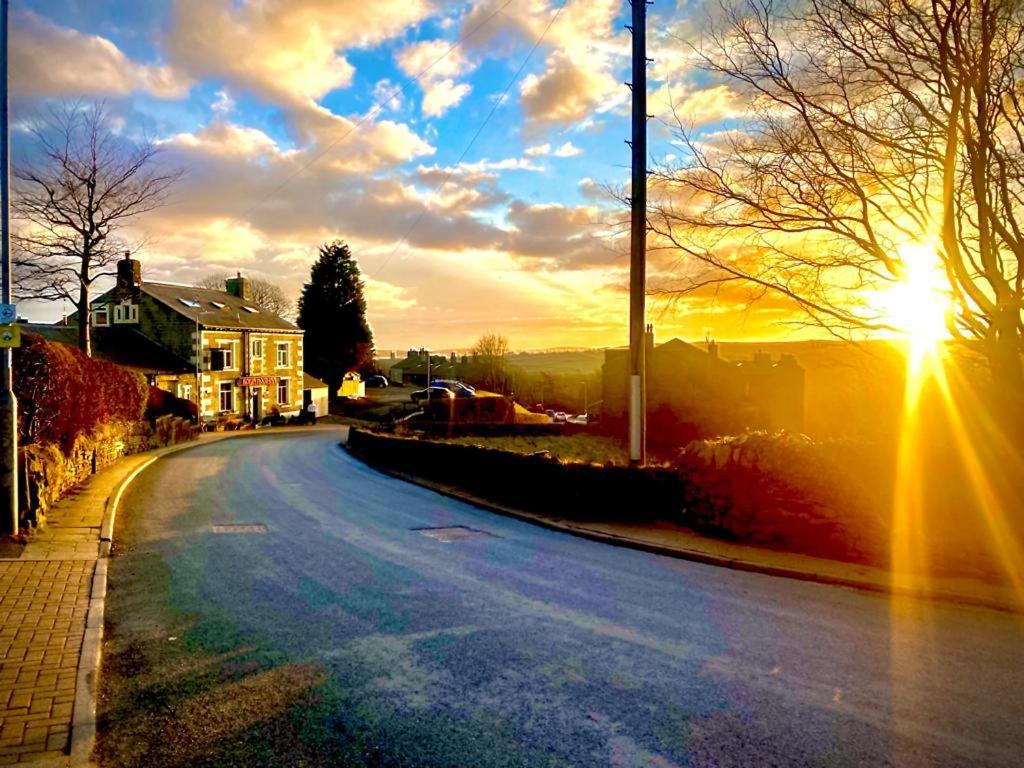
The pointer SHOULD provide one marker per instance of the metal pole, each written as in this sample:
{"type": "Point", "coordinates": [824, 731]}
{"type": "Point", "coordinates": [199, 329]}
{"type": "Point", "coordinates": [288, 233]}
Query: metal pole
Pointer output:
{"type": "Point", "coordinates": [8, 403]}
{"type": "Point", "coordinates": [638, 242]}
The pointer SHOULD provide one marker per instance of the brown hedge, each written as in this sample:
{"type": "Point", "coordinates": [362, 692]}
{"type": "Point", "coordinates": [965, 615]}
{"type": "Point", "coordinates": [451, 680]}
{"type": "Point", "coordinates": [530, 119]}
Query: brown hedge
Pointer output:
{"type": "Point", "coordinates": [62, 393]}
{"type": "Point", "coordinates": [163, 403]}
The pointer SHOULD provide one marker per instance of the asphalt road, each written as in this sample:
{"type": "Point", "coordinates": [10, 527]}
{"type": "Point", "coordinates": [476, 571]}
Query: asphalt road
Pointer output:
{"type": "Point", "coordinates": [523, 646]}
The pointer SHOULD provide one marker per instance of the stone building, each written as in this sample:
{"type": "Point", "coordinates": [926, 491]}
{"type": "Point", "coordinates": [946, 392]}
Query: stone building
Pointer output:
{"type": "Point", "coordinates": [233, 358]}
{"type": "Point", "coordinates": [694, 392]}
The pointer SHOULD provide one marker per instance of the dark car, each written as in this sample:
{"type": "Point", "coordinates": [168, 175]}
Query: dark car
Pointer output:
{"type": "Point", "coordinates": [434, 392]}
{"type": "Point", "coordinates": [377, 382]}
{"type": "Point", "coordinates": [460, 389]}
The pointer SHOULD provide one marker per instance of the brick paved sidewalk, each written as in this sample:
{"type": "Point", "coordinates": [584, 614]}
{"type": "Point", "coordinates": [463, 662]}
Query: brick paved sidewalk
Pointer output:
{"type": "Point", "coordinates": [43, 608]}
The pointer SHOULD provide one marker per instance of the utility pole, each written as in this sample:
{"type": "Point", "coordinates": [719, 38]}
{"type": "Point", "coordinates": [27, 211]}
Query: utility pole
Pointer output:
{"type": "Point", "coordinates": [8, 404]}
{"type": "Point", "coordinates": [638, 242]}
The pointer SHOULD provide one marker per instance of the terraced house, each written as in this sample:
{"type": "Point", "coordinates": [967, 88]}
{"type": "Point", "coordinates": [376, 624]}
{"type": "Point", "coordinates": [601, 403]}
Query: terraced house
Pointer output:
{"type": "Point", "coordinates": [233, 359]}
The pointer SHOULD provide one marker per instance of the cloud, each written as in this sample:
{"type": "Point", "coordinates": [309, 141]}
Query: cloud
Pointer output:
{"type": "Point", "coordinates": [441, 96]}
{"type": "Point", "coordinates": [695, 107]}
{"type": "Point", "coordinates": [436, 63]}
{"type": "Point", "coordinates": [568, 149]}
{"type": "Point", "coordinates": [284, 51]}
{"type": "Point", "coordinates": [49, 60]}
{"type": "Point", "coordinates": [388, 95]}
{"type": "Point", "coordinates": [224, 104]}
{"type": "Point", "coordinates": [583, 51]}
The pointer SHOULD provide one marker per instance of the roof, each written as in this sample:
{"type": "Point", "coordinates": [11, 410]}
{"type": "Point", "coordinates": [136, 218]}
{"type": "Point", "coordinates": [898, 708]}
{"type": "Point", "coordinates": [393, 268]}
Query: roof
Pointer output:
{"type": "Point", "coordinates": [216, 309]}
{"type": "Point", "coordinates": [419, 364]}
{"type": "Point", "coordinates": [312, 382]}
{"type": "Point", "coordinates": [119, 344]}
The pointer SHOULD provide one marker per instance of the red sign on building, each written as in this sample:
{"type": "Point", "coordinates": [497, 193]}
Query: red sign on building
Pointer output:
{"type": "Point", "coordinates": [257, 381]}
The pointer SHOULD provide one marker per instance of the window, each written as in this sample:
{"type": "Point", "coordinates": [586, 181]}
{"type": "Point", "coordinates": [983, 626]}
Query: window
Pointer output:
{"type": "Point", "coordinates": [101, 316]}
{"type": "Point", "coordinates": [253, 310]}
{"type": "Point", "coordinates": [190, 303]}
{"type": "Point", "coordinates": [229, 355]}
{"type": "Point", "coordinates": [185, 391]}
{"type": "Point", "coordinates": [257, 349]}
{"type": "Point", "coordinates": [282, 355]}
{"type": "Point", "coordinates": [227, 396]}
{"type": "Point", "coordinates": [282, 392]}
{"type": "Point", "coordinates": [218, 304]}
{"type": "Point", "coordinates": [126, 313]}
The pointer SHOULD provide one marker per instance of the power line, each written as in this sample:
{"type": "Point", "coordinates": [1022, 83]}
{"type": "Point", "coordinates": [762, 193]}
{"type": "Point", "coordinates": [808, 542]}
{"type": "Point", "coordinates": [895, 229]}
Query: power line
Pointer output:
{"type": "Point", "coordinates": [451, 171]}
{"type": "Point", "coordinates": [372, 113]}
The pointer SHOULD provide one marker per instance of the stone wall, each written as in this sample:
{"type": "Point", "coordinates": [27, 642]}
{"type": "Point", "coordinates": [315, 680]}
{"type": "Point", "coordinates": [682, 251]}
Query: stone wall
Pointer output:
{"type": "Point", "coordinates": [47, 474]}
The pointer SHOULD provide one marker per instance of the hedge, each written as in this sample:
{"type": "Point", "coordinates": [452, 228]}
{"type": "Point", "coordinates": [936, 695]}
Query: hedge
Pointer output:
{"type": "Point", "coordinates": [538, 483]}
{"type": "Point", "coordinates": [62, 393]}
{"type": "Point", "coordinates": [160, 402]}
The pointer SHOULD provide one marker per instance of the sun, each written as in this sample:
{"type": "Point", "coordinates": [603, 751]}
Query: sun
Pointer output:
{"type": "Point", "coordinates": [918, 305]}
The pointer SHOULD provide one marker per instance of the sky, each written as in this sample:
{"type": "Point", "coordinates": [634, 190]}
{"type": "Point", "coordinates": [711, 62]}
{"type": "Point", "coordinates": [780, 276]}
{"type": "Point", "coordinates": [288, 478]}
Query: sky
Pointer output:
{"type": "Point", "coordinates": [464, 150]}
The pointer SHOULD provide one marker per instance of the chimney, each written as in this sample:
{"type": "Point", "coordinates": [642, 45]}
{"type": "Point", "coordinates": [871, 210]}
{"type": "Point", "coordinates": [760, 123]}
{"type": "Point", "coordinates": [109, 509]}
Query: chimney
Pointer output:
{"type": "Point", "coordinates": [649, 338]}
{"type": "Point", "coordinates": [129, 274]}
{"type": "Point", "coordinates": [713, 348]}
{"type": "Point", "coordinates": [238, 286]}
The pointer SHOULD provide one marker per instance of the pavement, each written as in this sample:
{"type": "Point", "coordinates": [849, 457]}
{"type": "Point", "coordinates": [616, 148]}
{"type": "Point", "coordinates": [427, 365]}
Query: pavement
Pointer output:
{"type": "Point", "coordinates": [274, 601]}
{"type": "Point", "coordinates": [44, 605]}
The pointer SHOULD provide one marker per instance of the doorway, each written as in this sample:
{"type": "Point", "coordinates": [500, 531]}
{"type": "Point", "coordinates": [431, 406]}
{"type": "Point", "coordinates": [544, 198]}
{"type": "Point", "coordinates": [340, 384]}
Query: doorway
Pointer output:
{"type": "Point", "coordinates": [256, 410]}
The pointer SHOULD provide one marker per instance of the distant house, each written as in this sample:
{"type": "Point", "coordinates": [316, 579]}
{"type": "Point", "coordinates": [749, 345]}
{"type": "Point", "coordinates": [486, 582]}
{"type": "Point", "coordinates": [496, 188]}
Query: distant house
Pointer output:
{"type": "Point", "coordinates": [693, 392]}
{"type": "Point", "coordinates": [412, 369]}
{"type": "Point", "coordinates": [215, 348]}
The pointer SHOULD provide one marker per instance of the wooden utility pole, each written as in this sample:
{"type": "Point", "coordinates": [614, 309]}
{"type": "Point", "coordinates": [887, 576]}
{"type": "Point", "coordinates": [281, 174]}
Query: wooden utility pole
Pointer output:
{"type": "Point", "coordinates": [8, 315]}
{"type": "Point", "coordinates": [638, 243]}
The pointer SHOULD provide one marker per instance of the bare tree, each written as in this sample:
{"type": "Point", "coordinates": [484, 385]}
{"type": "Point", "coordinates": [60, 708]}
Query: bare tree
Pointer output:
{"type": "Point", "coordinates": [489, 364]}
{"type": "Point", "coordinates": [82, 184]}
{"type": "Point", "coordinates": [266, 295]}
{"type": "Point", "coordinates": [870, 124]}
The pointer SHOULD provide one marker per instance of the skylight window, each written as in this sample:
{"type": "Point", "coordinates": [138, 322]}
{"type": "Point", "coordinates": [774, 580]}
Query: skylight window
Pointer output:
{"type": "Point", "coordinates": [218, 304]}
{"type": "Point", "coordinates": [250, 309]}
{"type": "Point", "coordinates": [190, 303]}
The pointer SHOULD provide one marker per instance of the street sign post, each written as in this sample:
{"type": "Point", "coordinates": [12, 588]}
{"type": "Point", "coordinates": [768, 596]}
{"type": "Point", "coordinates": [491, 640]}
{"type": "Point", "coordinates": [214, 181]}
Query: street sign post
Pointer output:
{"type": "Point", "coordinates": [8, 403]}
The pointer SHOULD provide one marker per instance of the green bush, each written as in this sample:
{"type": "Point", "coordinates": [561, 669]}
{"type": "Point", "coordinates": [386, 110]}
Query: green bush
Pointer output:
{"type": "Point", "coordinates": [62, 393]}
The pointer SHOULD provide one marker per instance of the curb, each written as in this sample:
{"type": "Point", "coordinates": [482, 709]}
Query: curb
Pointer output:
{"type": "Point", "coordinates": [698, 556]}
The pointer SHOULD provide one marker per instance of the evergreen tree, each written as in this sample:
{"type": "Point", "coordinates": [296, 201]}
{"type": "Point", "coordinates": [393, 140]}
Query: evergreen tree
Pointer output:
{"type": "Point", "coordinates": [332, 312]}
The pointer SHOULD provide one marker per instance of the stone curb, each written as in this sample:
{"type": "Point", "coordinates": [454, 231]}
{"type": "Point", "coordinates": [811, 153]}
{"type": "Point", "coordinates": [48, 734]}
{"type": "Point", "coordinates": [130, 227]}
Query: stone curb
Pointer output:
{"type": "Point", "coordinates": [698, 556]}
{"type": "Point", "coordinates": [83, 719]}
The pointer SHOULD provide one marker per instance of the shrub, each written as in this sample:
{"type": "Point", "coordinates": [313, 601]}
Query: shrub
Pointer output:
{"type": "Point", "coordinates": [786, 490]}
{"type": "Point", "coordinates": [62, 393]}
{"type": "Point", "coordinates": [160, 402]}
{"type": "Point", "coordinates": [484, 409]}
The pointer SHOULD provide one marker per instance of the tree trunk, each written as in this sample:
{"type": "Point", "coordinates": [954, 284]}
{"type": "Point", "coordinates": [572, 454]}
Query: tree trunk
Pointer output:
{"type": "Point", "coordinates": [84, 321]}
{"type": "Point", "coordinates": [1007, 370]}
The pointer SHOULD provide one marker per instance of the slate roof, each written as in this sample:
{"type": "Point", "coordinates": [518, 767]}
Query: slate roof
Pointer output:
{"type": "Point", "coordinates": [120, 344]}
{"type": "Point", "coordinates": [232, 315]}
{"type": "Point", "coordinates": [312, 382]}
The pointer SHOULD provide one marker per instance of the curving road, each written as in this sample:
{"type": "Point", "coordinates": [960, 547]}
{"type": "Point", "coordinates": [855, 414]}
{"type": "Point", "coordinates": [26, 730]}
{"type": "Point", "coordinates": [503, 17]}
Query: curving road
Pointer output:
{"type": "Point", "coordinates": [523, 646]}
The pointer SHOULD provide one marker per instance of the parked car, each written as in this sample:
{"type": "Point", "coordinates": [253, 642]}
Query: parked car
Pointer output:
{"type": "Point", "coordinates": [460, 389]}
{"type": "Point", "coordinates": [433, 392]}
{"type": "Point", "coordinates": [377, 382]}
{"type": "Point", "coordinates": [560, 417]}
{"type": "Point", "coordinates": [579, 419]}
